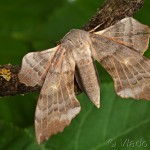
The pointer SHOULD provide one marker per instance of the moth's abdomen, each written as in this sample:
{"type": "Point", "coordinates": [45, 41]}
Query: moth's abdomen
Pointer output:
{"type": "Point", "coordinates": [87, 78]}
{"type": "Point", "coordinates": [77, 44]}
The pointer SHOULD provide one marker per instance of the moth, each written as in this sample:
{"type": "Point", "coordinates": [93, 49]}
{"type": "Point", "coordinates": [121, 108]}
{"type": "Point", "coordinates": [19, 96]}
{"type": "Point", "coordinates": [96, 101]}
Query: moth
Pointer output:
{"type": "Point", "coordinates": [118, 48]}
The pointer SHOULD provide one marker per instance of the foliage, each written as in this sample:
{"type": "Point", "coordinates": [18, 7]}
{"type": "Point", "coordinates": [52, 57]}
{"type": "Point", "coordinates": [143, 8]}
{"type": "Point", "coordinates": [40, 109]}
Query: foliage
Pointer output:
{"type": "Point", "coordinates": [36, 25]}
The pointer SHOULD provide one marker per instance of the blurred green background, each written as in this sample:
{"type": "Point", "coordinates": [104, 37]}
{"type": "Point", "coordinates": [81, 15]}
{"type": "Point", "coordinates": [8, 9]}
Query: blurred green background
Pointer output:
{"type": "Point", "coordinates": [31, 25]}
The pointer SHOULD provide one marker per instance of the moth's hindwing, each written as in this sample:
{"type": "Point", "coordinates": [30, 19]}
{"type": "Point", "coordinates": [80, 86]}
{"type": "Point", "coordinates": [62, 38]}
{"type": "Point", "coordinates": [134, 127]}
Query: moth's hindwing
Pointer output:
{"type": "Point", "coordinates": [129, 32]}
{"type": "Point", "coordinates": [35, 66]}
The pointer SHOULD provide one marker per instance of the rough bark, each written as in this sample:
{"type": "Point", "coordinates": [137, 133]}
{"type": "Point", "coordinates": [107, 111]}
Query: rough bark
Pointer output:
{"type": "Point", "coordinates": [111, 12]}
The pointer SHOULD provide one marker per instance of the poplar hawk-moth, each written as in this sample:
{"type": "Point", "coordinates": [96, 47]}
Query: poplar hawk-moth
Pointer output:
{"type": "Point", "coordinates": [118, 48]}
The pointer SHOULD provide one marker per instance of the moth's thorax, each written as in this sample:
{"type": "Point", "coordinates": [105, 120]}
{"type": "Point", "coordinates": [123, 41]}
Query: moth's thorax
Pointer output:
{"type": "Point", "coordinates": [75, 34]}
{"type": "Point", "coordinates": [77, 41]}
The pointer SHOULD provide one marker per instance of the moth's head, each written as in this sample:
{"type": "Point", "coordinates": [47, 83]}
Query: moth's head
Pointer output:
{"type": "Point", "coordinates": [77, 41]}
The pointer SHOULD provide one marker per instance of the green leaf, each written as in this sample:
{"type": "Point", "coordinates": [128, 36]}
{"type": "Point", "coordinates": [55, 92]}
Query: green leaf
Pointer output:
{"type": "Point", "coordinates": [18, 110]}
{"type": "Point", "coordinates": [117, 124]}
{"type": "Point", "coordinates": [14, 138]}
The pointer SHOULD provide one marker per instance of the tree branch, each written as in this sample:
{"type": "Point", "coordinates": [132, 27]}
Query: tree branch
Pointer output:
{"type": "Point", "coordinates": [111, 12]}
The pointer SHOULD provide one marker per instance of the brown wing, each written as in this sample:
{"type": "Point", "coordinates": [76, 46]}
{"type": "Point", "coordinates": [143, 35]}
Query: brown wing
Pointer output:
{"type": "Point", "coordinates": [57, 104]}
{"type": "Point", "coordinates": [129, 70]}
{"type": "Point", "coordinates": [35, 66]}
{"type": "Point", "coordinates": [129, 32]}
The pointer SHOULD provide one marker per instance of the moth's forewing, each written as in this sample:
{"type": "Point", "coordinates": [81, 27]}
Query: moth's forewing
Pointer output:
{"type": "Point", "coordinates": [57, 104]}
{"type": "Point", "coordinates": [129, 32]}
{"type": "Point", "coordinates": [129, 70]}
{"type": "Point", "coordinates": [35, 66]}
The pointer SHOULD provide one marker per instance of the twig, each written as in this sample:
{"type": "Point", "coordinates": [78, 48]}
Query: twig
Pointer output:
{"type": "Point", "coordinates": [111, 12]}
